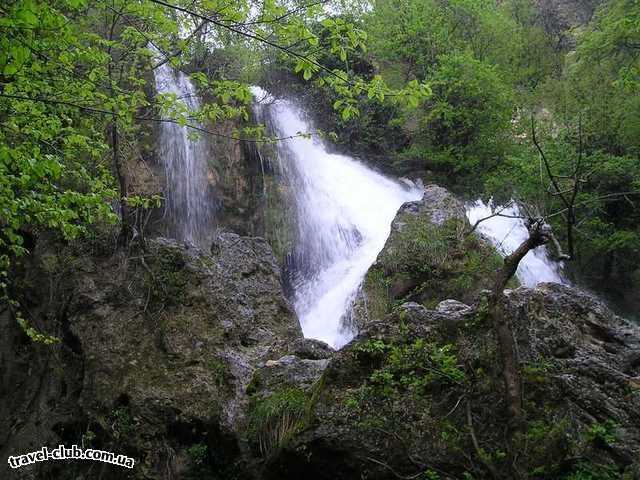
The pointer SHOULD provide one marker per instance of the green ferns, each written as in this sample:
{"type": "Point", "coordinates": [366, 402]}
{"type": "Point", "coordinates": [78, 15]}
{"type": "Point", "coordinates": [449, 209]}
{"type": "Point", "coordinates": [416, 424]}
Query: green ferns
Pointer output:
{"type": "Point", "coordinates": [273, 420]}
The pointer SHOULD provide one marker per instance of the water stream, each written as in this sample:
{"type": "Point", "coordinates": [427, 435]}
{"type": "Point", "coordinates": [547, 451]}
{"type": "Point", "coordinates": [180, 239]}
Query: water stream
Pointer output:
{"type": "Point", "coordinates": [189, 209]}
{"type": "Point", "coordinates": [343, 213]}
{"type": "Point", "coordinates": [341, 210]}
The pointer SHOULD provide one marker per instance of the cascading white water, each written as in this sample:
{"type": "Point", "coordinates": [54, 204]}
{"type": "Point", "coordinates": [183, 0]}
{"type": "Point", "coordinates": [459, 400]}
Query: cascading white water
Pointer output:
{"type": "Point", "coordinates": [189, 209]}
{"type": "Point", "coordinates": [507, 234]}
{"type": "Point", "coordinates": [343, 215]}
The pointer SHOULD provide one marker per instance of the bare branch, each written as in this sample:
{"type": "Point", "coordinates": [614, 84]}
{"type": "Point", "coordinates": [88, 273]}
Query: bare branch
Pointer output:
{"type": "Point", "coordinates": [476, 445]}
{"type": "Point", "coordinates": [597, 199]}
{"type": "Point", "coordinates": [495, 214]}
{"type": "Point", "coordinates": [546, 162]}
{"type": "Point", "coordinates": [556, 243]}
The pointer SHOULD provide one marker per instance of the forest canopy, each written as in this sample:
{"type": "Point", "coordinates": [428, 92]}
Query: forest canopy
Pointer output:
{"type": "Point", "coordinates": [443, 89]}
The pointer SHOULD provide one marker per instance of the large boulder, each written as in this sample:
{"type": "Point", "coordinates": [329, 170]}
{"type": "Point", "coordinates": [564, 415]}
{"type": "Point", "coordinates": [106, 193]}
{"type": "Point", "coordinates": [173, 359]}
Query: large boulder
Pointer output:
{"type": "Point", "coordinates": [157, 348]}
{"type": "Point", "coordinates": [418, 395]}
{"type": "Point", "coordinates": [429, 256]}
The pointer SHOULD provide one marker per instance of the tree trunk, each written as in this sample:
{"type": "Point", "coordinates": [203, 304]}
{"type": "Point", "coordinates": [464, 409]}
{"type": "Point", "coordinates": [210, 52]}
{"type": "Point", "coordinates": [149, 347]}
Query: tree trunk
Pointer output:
{"type": "Point", "coordinates": [504, 330]}
{"type": "Point", "coordinates": [125, 230]}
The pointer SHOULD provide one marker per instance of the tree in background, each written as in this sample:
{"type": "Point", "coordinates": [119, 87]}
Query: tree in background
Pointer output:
{"type": "Point", "coordinates": [465, 126]}
{"type": "Point", "coordinates": [598, 90]}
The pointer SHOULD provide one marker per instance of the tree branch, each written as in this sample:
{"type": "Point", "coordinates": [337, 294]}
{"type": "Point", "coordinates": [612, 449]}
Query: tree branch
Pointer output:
{"type": "Point", "coordinates": [495, 214]}
{"type": "Point", "coordinates": [546, 162]}
{"type": "Point", "coordinates": [152, 119]}
{"type": "Point", "coordinates": [252, 36]}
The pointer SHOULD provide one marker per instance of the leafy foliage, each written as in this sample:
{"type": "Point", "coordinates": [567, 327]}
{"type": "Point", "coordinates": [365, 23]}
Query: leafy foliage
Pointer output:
{"type": "Point", "coordinates": [409, 367]}
{"type": "Point", "coordinates": [53, 172]}
{"type": "Point", "coordinates": [465, 125]}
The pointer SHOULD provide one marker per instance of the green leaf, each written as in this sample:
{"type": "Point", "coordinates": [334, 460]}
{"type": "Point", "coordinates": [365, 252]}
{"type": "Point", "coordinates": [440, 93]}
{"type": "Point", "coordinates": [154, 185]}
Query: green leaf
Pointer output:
{"type": "Point", "coordinates": [307, 73]}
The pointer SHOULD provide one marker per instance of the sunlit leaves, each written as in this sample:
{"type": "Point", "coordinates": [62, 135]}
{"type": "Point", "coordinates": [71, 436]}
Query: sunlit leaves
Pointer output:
{"type": "Point", "coordinates": [306, 67]}
{"type": "Point", "coordinates": [343, 37]}
{"type": "Point", "coordinates": [51, 170]}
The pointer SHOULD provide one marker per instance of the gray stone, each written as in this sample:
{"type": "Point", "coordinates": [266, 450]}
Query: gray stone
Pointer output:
{"type": "Point", "coordinates": [573, 382]}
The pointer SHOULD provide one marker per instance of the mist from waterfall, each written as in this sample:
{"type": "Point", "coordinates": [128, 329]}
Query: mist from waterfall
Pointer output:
{"type": "Point", "coordinates": [343, 212]}
{"type": "Point", "coordinates": [189, 209]}
{"type": "Point", "coordinates": [506, 234]}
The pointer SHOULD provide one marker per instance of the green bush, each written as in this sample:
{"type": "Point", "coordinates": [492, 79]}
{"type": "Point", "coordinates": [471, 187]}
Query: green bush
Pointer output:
{"type": "Point", "coordinates": [406, 368]}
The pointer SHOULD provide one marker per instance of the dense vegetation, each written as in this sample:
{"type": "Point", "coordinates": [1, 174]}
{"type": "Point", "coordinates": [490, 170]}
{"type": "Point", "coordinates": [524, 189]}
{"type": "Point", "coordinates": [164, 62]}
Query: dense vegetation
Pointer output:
{"type": "Point", "coordinates": [496, 70]}
{"type": "Point", "coordinates": [445, 89]}
{"type": "Point", "coordinates": [509, 100]}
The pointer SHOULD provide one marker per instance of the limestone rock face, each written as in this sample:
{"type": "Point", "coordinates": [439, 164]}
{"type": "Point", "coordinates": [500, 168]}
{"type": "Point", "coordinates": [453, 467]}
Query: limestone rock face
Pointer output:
{"type": "Point", "coordinates": [437, 203]}
{"type": "Point", "coordinates": [289, 371]}
{"type": "Point", "coordinates": [158, 347]}
{"type": "Point", "coordinates": [405, 395]}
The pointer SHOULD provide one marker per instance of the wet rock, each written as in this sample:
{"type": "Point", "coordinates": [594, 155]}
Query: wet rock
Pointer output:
{"type": "Point", "coordinates": [287, 371]}
{"type": "Point", "coordinates": [437, 203]}
{"type": "Point", "coordinates": [311, 349]}
{"type": "Point", "coordinates": [453, 307]}
{"type": "Point", "coordinates": [427, 258]}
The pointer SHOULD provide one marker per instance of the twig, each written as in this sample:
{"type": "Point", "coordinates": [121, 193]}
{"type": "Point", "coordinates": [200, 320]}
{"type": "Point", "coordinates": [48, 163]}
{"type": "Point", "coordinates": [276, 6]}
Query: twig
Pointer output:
{"type": "Point", "coordinates": [455, 406]}
{"type": "Point", "coordinates": [395, 474]}
{"type": "Point", "coordinates": [476, 445]}
{"type": "Point", "coordinates": [496, 214]}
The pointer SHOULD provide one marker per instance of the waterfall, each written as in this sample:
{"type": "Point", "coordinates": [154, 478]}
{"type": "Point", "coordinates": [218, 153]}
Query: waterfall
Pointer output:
{"type": "Point", "coordinates": [507, 234]}
{"type": "Point", "coordinates": [189, 208]}
{"type": "Point", "coordinates": [343, 212]}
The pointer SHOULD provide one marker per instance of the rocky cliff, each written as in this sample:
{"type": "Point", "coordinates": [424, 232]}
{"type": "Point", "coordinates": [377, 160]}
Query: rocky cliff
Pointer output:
{"type": "Point", "coordinates": [428, 257]}
{"type": "Point", "coordinates": [157, 347]}
{"type": "Point", "coordinates": [417, 395]}
{"type": "Point", "coordinates": [193, 363]}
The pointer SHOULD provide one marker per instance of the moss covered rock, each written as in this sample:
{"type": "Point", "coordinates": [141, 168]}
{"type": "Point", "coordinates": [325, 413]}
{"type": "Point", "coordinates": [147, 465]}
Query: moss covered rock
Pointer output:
{"type": "Point", "coordinates": [418, 395]}
{"type": "Point", "coordinates": [429, 256]}
{"type": "Point", "coordinates": [157, 348]}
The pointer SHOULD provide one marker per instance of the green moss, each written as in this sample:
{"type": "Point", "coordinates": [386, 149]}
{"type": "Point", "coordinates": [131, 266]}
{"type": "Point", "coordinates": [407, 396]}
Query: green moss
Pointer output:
{"type": "Point", "coordinates": [316, 391]}
{"type": "Point", "coordinates": [376, 288]}
{"type": "Point", "coordinates": [219, 372]}
{"type": "Point", "coordinates": [166, 281]}
{"type": "Point", "coordinates": [428, 263]}
{"type": "Point", "coordinates": [420, 247]}
{"type": "Point", "coordinates": [275, 419]}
